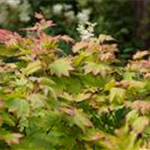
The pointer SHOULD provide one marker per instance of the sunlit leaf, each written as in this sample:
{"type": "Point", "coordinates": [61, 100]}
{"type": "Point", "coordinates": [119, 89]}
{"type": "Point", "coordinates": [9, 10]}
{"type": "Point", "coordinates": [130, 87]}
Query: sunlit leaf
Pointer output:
{"type": "Point", "coordinates": [91, 67]}
{"type": "Point", "coordinates": [117, 95]}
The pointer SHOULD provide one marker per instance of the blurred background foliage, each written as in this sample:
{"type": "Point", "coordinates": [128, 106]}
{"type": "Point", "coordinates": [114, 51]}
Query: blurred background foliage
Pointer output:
{"type": "Point", "coordinates": [126, 20]}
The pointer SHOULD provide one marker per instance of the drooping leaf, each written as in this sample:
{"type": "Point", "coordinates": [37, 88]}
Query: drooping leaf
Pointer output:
{"type": "Point", "coordinates": [81, 119]}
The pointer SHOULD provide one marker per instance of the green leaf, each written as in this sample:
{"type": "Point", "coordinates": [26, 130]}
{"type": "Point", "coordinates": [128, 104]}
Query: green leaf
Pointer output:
{"type": "Point", "coordinates": [110, 85]}
{"type": "Point", "coordinates": [10, 138]}
{"type": "Point", "coordinates": [132, 116]}
{"type": "Point", "coordinates": [19, 106]}
{"type": "Point", "coordinates": [46, 81]}
{"type": "Point", "coordinates": [82, 96]}
{"type": "Point", "coordinates": [8, 51]}
{"type": "Point", "coordinates": [61, 67]}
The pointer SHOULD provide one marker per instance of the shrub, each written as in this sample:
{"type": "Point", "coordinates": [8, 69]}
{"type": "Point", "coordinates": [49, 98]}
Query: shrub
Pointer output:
{"type": "Point", "coordinates": [50, 100]}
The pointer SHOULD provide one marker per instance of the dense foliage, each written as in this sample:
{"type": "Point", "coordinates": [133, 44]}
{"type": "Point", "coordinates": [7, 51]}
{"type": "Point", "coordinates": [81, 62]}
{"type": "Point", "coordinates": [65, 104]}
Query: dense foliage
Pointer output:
{"type": "Point", "coordinates": [84, 101]}
{"type": "Point", "coordinates": [117, 18]}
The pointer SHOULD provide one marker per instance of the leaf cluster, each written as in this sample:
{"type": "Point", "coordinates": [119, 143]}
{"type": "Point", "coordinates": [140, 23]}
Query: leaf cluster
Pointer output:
{"type": "Point", "coordinates": [84, 101]}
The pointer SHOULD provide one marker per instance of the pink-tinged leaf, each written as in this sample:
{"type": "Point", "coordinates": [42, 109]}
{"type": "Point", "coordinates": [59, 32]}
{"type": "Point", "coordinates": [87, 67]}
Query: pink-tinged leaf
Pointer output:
{"type": "Point", "coordinates": [140, 54]}
{"type": "Point", "coordinates": [147, 76]}
{"type": "Point", "coordinates": [145, 63]}
{"type": "Point", "coordinates": [81, 119]}
{"type": "Point", "coordinates": [107, 57]}
{"type": "Point", "coordinates": [13, 138]}
{"type": "Point", "coordinates": [39, 15]}
{"type": "Point", "coordinates": [7, 36]}
{"type": "Point", "coordinates": [79, 45]}
{"type": "Point", "coordinates": [69, 111]}
{"type": "Point", "coordinates": [78, 117]}
{"type": "Point", "coordinates": [41, 25]}
{"type": "Point", "coordinates": [140, 105]}
{"type": "Point", "coordinates": [50, 23]}
{"type": "Point", "coordinates": [34, 28]}
{"type": "Point", "coordinates": [4, 34]}
{"type": "Point", "coordinates": [67, 38]}
{"type": "Point", "coordinates": [93, 136]}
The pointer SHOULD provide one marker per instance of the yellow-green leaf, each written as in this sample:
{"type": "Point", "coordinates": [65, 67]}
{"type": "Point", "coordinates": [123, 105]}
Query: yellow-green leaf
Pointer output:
{"type": "Point", "coordinates": [32, 67]}
{"type": "Point", "coordinates": [61, 67]}
{"type": "Point", "coordinates": [117, 95]}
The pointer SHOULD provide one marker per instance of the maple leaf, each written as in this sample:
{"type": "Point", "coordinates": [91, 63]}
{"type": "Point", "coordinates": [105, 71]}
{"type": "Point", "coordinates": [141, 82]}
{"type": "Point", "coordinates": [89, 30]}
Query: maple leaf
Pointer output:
{"type": "Point", "coordinates": [61, 67]}
{"type": "Point", "coordinates": [67, 38]}
{"type": "Point", "coordinates": [42, 24]}
{"type": "Point", "coordinates": [79, 45]}
{"type": "Point", "coordinates": [92, 67]}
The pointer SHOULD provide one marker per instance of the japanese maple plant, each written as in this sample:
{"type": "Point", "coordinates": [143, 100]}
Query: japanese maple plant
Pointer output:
{"type": "Point", "coordinates": [82, 101]}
